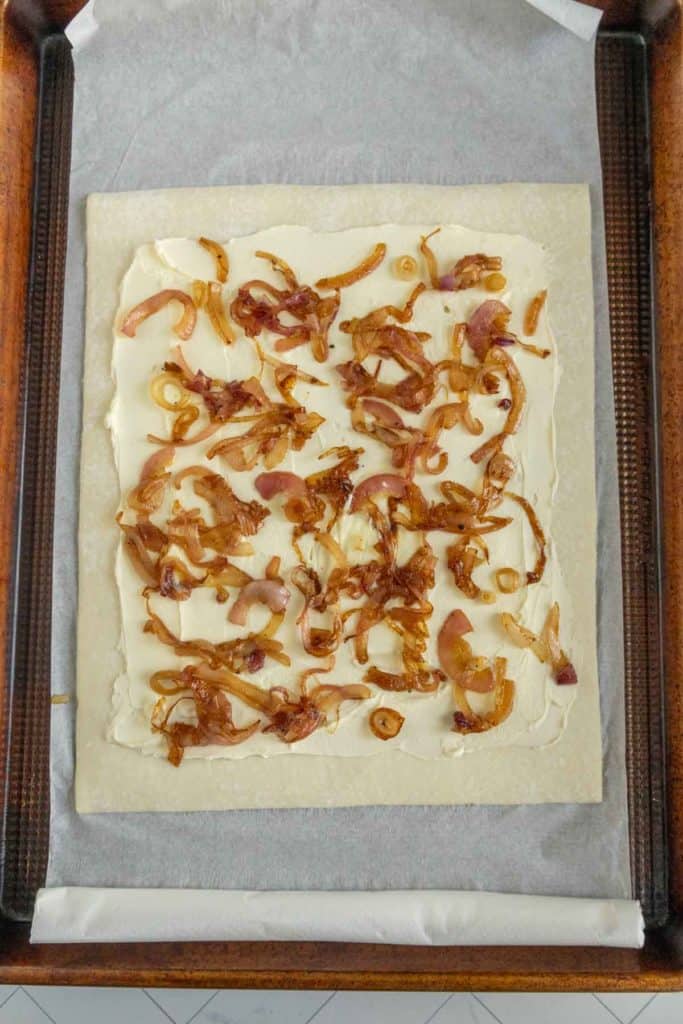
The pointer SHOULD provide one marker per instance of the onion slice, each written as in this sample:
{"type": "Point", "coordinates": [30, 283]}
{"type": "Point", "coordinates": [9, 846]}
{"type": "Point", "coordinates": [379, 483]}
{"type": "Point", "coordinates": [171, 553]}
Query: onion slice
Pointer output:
{"type": "Point", "coordinates": [183, 327]}
{"type": "Point", "coordinates": [533, 312]}
{"type": "Point", "coordinates": [507, 580]}
{"type": "Point", "coordinates": [349, 277]}
{"type": "Point", "coordinates": [280, 482]}
{"type": "Point", "coordinates": [220, 256]}
{"type": "Point", "coordinates": [537, 572]}
{"type": "Point", "coordinates": [386, 723]}
{"type": "Point", "coordinates": [381, 484]}
{"type": "Point", "coordinates": [489, 319]}
{"type": "Point", "coordinates": [269, 592]}
{"type": "Point", "coordinates": [219, 321]}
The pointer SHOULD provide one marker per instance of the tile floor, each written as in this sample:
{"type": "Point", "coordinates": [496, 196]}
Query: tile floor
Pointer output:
{"type": "Point", "coordinates": [35, 1005]}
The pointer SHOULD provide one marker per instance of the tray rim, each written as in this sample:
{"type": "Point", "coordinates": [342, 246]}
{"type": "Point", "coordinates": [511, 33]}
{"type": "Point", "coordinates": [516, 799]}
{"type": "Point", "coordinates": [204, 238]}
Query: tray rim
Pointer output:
{"type": "Point", "coordinates": [24, 26]}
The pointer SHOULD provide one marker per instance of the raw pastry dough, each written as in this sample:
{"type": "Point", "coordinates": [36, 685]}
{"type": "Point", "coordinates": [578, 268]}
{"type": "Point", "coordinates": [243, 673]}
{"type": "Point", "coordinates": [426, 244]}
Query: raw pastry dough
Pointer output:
{"type": "Point", "coordinates": [112, 778]}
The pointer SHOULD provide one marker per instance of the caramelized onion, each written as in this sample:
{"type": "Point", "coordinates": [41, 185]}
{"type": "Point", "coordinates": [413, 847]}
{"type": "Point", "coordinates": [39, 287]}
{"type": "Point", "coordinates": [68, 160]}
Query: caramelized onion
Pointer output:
{"type": "Point", "coordinates": [486, 322]}
{"type": "Point", "coordinates": [136, 549]}
{"type": "Point", "coordinates": [380, 484]}
{"type": "Point", "coordinates": [220, 256]}
{"type": "Point", "coordinates": [507, 580]}
{"type": "Point", "coordinates": [498, 357]}
{"type": "Point", "coordinates": [148, 495]}
{"type": "Point", "coordinates": [537, 572]}
{"type": "Point", "coordinates": [328, 697]}
{"type": "Point", "coordinates": [386, 723]}
{"type": "Point", "coordinates": [430, 258]}
{"type": "Point", "coordinates": [453, 651]}
{"type": "Point", "coordinates": [175, 580]}
{"type": "Point", "coordinates": [462, 559]}
{"type": "Point", "coordinates": [564, 672]}
{"type": "Point", "coordinates": [214, 719]}
{"type": "Point", "coordinates": [378, 317]}
{"type": "Point", "coordinates": [185, 442]}
{"type": "Point", "coordinates": [404, 267]}
{"type": "Point", "coordinates": [534, 350]}
{"type": "Point", "coordinates": [230, 655]}
{"type": "Point", "coordinates": [258, 306]}
{"type": "Point", "coordinates": [158, 391]}
{"type": "Point", "coordinates": [357, 273]}
{"type": "Point", "coordinates": [219, 321]}
{"type": "Point", "coordinates": [279, 482]}
{"type": "Point", "coordinates": [183, 421]}
{"type": "Point", "coordinates": [465, 720]}
{"type": "Point", "coordinates": [183, 327]}
{"type": "Point", "coordinates": [269, 592]}
{"type": "Point", "coordinates": [332, 546]}
{"type": "Point", "coordinates": [533, 312]}
{"type": "Point", "coordinates": [272, 434]}
{"type": "Point", "coordinates": [523, 637]}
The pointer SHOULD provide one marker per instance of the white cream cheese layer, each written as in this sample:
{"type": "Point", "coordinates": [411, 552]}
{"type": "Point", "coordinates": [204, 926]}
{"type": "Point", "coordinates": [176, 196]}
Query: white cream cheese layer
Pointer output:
{"type": "Point", "coordinates": [540, 709]}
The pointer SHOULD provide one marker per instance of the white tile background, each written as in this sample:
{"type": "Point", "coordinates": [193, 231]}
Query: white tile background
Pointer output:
{"type": "Point", "coordinates": [54, 1005]}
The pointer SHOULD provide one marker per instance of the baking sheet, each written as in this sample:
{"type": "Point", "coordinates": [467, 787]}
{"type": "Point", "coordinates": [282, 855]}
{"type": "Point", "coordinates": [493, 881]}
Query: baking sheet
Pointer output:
{"type": "Point", "coordinates": [326, 93]}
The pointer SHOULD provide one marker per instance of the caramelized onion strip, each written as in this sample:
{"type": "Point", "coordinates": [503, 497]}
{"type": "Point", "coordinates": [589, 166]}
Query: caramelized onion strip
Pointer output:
{"type": "Point", "coordinates": [183, 327]}
{"type": "Point", "coordinates": [357, 273]}
{"type": "Point", "coordinates": [220, 256]}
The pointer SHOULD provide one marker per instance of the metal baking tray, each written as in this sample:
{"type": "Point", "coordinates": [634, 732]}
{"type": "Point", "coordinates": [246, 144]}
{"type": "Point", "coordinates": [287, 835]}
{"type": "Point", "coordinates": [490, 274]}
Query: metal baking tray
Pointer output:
{"type": "Point", "coordinates": [36, 76]}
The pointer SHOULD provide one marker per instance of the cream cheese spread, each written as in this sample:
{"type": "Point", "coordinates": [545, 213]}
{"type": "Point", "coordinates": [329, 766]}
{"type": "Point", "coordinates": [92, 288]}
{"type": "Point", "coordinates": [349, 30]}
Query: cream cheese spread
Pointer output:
{"type": "Point", "coordinates": [541, 706]}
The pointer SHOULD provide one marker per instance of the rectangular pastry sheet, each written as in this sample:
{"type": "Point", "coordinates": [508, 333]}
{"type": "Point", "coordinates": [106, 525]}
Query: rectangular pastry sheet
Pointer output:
{"type": "Point", "coordinates": [113, 778]}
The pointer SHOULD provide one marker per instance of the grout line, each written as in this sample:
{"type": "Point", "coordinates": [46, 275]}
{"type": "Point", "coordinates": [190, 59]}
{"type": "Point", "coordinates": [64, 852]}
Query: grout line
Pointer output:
{"type": "Point", "coordinates": [439, 1007]}
{"type": "Point", "coordinates": [609, 1009]}
{"type": "Point", "coordinates": [650, 1000]}
{"type": "Point", "coordinates": [321, 1007]}
{"type": "Point", "coordinates": [482, 1003]}
{"type": "Point", "coordinates": [202, 1007]}
{"type": "Point", "coordinates": [15, 989]}
{"type": "Point", "coordinates": [41, 1008]}
{"type": "Point", "coordinates": [158, 1006]}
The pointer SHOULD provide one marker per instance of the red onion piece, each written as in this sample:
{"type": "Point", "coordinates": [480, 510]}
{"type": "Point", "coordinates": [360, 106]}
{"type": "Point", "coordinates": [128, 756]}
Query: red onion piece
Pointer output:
{"type": "Point", "coordinates": [383, 413]}
{"type": "Point", "coordinates": [279, 482]}
{"type": "Point", "coordinates": [381, 483]}
{"type": "Point", "coordinates": [449, 648]}
{"type": "Point", "coordinates": [566, 676]}
{"type": "Point", "coordinates": [447, 283]}
{"type": "Point", "coordinates": [268, 592]}
{"type": "Point", "coordinates": [481, 325]}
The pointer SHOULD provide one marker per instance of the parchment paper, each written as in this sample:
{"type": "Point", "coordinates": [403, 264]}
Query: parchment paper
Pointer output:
{"type": "Point", "coordinates": [326, 93]}
{"type": "Point", "coordinates": [435, 918]}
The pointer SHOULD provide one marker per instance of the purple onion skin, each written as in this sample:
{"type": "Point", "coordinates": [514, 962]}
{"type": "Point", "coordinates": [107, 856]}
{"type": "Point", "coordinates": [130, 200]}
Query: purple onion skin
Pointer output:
{"type": "Point", "coordinates": [447, 283]}
{"type": "Point", "coordinates": [503, 341]}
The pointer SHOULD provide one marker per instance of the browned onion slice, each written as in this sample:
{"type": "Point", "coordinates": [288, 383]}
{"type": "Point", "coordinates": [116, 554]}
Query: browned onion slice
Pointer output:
{"type": "Point", "coordinates": [507, 580]}
{"type": "Point", "coordinates": [533, 312]}
{"type": "Point", "coordinates": [220, 256]}
{"type": "Point", "coordinates": [465, 720]}
{"type": "Point", "coordinates": [488, 320]}
{"type": "Point", "coordinates": [537, 572]}
{"type": "Point", "coordinates": [378, 317]}
{"type": "Point", "coordinates": [350, 277]}
{"type": "Point", "coordinates": [219, 321]}
{"type": "Point", "coordinates": [280, 482]}
{"type": "Point", "coordinates": [269, 592]}
{"type": "Point", "coordinates": [386, 723]}
{"type": "Point", "coordinates": [453, 652]}
{"type": "Point", "coordinates": [380, 484]}
{"type": "Point", "coordinates": [497, 356]}
{"type": "Point", "coordinates": [183, 328]}
{"type": "Point", "coordinates": [158, 391]}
